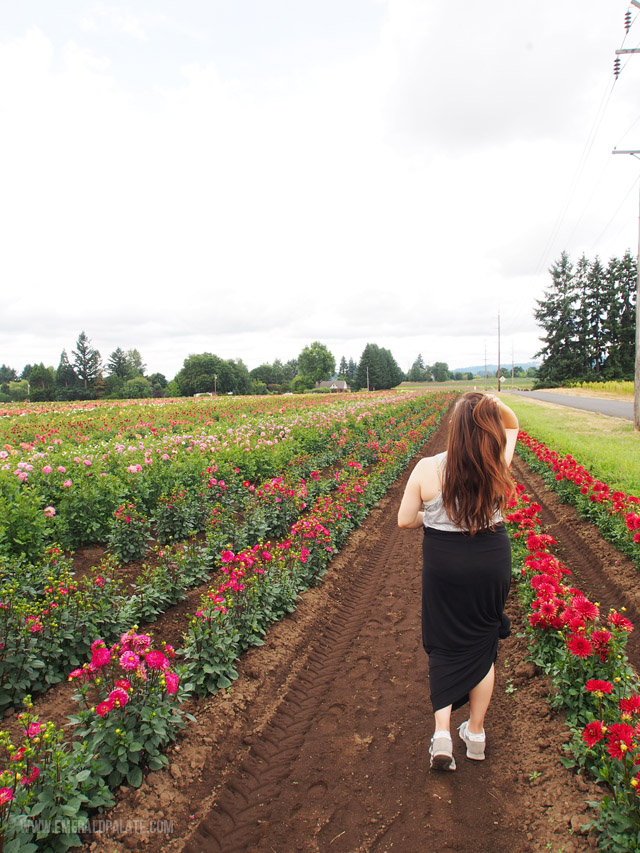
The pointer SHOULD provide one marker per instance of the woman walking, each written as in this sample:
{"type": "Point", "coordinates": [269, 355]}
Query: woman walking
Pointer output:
{"type": "Point", "coordinates": [457, 497]}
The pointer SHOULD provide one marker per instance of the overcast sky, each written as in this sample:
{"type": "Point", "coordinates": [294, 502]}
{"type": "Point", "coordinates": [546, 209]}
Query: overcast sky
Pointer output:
{"type": "Point", "coordinates": [244, 177]}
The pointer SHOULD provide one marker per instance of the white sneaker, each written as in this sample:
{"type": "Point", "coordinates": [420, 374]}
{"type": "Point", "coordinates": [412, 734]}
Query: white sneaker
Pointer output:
{"type": "Point", "coordinates": [475, 748]}
{"type": "Point", "coordinates": [441, 753]}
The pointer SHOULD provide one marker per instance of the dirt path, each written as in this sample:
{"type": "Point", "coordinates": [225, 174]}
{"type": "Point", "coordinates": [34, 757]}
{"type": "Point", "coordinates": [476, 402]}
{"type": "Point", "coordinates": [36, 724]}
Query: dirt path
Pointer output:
{"type": "Point", "coordinates": [321, 744]}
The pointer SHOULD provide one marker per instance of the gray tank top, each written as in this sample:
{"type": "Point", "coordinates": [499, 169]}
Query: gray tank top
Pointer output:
{"type": "Point", "coordinates": [435, 514]}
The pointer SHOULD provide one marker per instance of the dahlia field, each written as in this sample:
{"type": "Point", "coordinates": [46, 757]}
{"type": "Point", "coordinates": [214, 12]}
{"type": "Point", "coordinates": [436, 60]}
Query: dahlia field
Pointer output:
{"type": "Point", "coordinates": [251, 496]}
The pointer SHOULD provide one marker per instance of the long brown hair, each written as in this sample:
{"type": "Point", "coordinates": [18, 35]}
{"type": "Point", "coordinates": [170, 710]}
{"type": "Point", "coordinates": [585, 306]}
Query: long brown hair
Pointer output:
{"type": "Point", "coordinates": [476, 479]}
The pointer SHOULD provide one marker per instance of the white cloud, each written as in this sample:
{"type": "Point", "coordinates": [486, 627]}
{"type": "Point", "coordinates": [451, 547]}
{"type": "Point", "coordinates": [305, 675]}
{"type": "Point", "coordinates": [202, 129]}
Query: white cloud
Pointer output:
{"type": "Point", "coordinates": [401, 193]}
{"type": "Point", "coordinates": [117, 18]}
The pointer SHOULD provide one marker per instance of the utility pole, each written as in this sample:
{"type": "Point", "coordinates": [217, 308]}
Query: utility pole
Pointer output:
{"type": "Point", "coordinates": [485, 367]}
{"type": "Point", "coordinates": [512, 364]}
{"type": "Point", "coordinates": [634, 153]}
{"type": "Point", "coordinates": [636, 382]}
{"type": "Point", "coordinates": [499, 376]}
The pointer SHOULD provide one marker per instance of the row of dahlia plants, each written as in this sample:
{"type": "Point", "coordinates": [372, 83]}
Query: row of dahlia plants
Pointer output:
{"type": "Point", "coordinates": [583, 651]}
{"type": "Point", "coordinates": [615, 513]}
{"type": "Point", "coordinates": [49, 619]}
{"type": "Point", "coordinates": [130, 694]}
{"type": "Point", "coordinates": [129, 698]}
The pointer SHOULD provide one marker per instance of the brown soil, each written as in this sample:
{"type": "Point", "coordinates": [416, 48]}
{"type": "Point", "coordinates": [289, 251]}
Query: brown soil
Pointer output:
{"type": "Point", "coordinates": [321, 744]}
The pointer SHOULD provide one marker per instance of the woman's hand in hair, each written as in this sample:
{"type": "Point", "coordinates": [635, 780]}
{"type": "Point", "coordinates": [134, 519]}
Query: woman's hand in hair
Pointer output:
{"type": "Point", "coordinates": [509, 417]}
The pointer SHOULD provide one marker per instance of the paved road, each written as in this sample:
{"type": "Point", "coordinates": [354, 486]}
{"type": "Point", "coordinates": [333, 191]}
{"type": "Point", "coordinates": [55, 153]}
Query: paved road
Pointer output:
{"type": "Point", "coordinates": [614, 408]}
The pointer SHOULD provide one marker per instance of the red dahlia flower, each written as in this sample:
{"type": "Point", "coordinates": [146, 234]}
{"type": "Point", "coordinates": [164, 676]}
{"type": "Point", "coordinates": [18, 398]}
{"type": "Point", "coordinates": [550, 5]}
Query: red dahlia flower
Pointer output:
{"type": "Point", "coordinates": [618, 621]}
{"type": "Point", "coordinates": [579, 646]}
{"type": "Point", "coordinates": [630, 705]}
{"type": "Point", "coordinates": [619, 740]}
{"type": "Point", "coordinates": [594, 685]}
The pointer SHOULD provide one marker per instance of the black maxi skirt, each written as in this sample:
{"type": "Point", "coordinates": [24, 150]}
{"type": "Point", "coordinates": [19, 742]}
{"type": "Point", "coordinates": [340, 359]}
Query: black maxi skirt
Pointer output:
{"type": "Point", "coordinates": [465, 583]}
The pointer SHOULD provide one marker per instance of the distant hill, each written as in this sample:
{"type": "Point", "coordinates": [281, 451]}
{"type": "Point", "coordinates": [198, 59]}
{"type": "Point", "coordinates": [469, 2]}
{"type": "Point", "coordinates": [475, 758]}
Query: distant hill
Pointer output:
{"type": "Point", "coordinates": [479, 369]}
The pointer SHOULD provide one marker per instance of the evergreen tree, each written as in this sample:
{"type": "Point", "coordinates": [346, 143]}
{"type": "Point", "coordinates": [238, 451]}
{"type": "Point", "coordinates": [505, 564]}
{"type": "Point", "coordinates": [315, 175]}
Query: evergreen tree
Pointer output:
{"type": "Point", "coordinates": [343, 369]}
{"type": "Point", "coordinates": [621, 328]}
{"type": "Point", "coordinates": [65, 374]}
{"type": "Point", "coordinates": [417, 372]}
{"type": "Point", "coordinates": [86, 360]}
{"type": "Point", "coordinates": [41, 382]}
{"type": "Point", "coordinates": [136, 366]}
{"type": "Point", "coordinates": [377, 369]}
{"type": "Point", "coordinates": [583, 333]}
{"type": "Point", "coordinates": [7, 374]}
{"type": "Point", "coordinates": [595, 308]}
{"type": "Point", "coordinates": [277, 372]}
{"type": "Point", "coordinates": [118, 364]}
{"type": "Point", "coordinates": [351, 369]}
{"type": "Point", "coordinates": [588, 316]}
{"type": "Point", "coordinates": [556, 313]}
{"type": "Point", "coordinates": [393, 374]}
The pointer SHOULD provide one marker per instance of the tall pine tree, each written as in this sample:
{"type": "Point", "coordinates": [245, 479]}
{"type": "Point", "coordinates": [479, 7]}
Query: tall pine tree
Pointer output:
{"type": "Point", "coordinates": [557, 314]}
{"type": "Point", "coordinates": [86, 360]}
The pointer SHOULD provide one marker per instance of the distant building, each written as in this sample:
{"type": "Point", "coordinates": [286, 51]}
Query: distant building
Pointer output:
{"type": "Point", "coordinates": [334, 385]}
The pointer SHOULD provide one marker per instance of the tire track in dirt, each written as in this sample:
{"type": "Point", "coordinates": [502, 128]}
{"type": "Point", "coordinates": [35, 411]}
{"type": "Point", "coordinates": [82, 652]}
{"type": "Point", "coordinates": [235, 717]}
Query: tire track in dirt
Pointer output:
{"type": "Point", "coordinates": [598, 568]}
{"type": "Point", "coordinates": [243, 810]}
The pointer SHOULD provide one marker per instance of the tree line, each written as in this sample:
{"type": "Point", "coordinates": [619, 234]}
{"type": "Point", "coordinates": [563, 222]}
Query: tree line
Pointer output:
{"type": "Point", "coordinates": [84, 375]}
{"type": "Point", "coordinates": [588, 317]}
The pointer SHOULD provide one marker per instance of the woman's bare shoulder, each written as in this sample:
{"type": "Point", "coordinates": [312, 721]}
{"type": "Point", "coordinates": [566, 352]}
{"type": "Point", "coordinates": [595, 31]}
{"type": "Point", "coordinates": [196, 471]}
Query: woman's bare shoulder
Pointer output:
{"type": "Point", "coordinates": [427, 463]}
{"type": "Point", "coordinates": [427, 474]}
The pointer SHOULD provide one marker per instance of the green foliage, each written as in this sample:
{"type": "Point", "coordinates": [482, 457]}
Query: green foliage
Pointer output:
{"type": "Point", "coordinates": [419, 372]}
{"type": "Point", "coordinates": [86, 360]}
{"type": "Point", "coordinates": [50, 620]}
{"type": "Point", "coordinates": [118, 364]}
{"type": "Point", "coordinates": [137, 388]}
{"type": "Point", "coordinates": [130, 706]}
{"type": "Point", "coordinates": [41, 380]}
{"type": "Point", "coordinates": [176, 571]}
{"type": "Point", "coordinates": [206, 372]}
{"type": "Point", "coordinates": [179, 514]}
{"type": "Point", "coordinates": [588, 320]}
{"type": "Point", "coordinates": [129, 533]}
{"type": "Point", "coordinates": [316, 363]}
{"type": "Point", "coordinates": [7, 374]}
{"type": "Point", "coordinates": [25, 527]}
{"type": "Point", "coordinates": [377, 369]}
{"type": "Point", "coordinates": [440, 371]}
{"type": "Point", "coordinates": [54, 784]}
{"type": "Point", "coordinates": [19, 391]}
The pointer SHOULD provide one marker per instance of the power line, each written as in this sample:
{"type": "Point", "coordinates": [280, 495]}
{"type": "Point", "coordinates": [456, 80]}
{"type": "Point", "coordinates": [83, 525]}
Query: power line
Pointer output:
{"type": "Point", "coordinates": [604, 102]}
